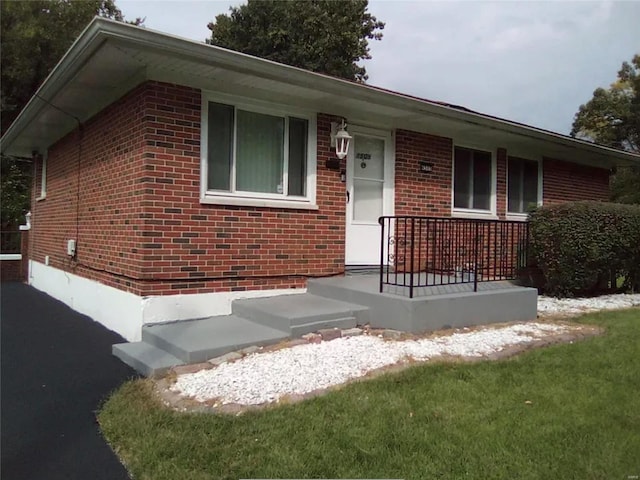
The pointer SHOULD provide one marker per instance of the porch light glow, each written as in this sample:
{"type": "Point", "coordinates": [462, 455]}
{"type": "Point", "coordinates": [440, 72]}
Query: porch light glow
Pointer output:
{"type": "Point", "coordinates": [340, 139]}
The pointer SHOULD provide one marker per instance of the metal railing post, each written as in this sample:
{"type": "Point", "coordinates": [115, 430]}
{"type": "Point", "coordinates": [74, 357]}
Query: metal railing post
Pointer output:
{"type": "Point", "coordinates": [382, 242]}
{"type": "Point", "coordinates": [413, 224]}
{"type": "Point", "coordinates": [475, 260]}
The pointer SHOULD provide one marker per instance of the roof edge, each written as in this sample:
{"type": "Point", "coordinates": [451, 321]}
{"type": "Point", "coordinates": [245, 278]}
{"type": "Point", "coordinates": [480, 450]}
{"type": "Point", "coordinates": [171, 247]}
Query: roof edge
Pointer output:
{"type": "Point", "coordinates": [101, 29]}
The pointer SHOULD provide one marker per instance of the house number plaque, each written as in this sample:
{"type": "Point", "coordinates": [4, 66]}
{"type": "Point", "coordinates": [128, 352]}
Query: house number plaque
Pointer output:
{"type": "Point", "coordinates": [426, 167]}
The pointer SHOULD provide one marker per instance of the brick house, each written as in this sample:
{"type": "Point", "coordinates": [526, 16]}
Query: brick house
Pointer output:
{"type": "Point", "coordinates": [186, 175]}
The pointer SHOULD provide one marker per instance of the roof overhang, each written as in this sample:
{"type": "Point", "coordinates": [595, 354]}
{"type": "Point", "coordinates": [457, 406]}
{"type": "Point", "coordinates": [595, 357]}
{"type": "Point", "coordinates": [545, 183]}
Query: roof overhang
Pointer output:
{"type": "Point", "coordinates": [110, 58]}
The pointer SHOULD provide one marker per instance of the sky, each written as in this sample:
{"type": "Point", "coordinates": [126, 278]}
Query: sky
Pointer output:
{"type": "Point", "coordinates": [532, 62]}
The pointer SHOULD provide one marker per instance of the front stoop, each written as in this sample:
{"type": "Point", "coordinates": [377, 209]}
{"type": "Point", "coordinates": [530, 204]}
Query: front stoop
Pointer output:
{"type": "Point", "coordinates": [435, 308]}
{"type": "Point", "coordinates": [260, 321]}
{"type": "Point", "coordinates": [340, 302]}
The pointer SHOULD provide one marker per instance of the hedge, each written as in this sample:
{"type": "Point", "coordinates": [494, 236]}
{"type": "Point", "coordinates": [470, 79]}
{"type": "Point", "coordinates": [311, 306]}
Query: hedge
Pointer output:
{"type": "Point", "coordinates": [580, 246]}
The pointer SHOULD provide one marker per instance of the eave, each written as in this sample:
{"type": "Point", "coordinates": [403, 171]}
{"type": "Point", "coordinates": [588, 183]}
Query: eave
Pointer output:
{"type": "Point", "coordinates": [110, 58]}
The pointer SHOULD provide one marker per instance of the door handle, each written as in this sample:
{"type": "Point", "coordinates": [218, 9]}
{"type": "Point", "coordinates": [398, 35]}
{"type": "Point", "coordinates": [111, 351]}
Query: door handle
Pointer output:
{"type": "Point", "coordinates": [348, 196]}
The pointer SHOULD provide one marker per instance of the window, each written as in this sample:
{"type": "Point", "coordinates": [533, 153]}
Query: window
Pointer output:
{"type": "Point", "coordinates": [523, 184]}
{"type": "Point", "coordinates": [258, 153]}
{"type": "Point", "coordinates": [472, 179]}
{"type": "Point", "coordinates": [41, 176]}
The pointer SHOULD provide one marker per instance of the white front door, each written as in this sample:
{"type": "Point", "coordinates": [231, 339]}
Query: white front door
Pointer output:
{"type": "Point", "coordinates": [369, 194]}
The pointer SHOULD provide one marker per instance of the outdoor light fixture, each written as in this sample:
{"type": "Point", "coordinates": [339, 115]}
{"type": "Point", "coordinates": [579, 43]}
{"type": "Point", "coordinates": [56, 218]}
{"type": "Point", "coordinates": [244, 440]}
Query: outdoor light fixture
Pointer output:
{"type": "Point", "coordinates": [340, 139]}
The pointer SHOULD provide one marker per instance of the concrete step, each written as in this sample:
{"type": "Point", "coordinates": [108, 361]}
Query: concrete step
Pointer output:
{"type": "Point", "coordinates": [146, 359]}
{"type": "Point", "coordinates": [199, 340]}
{"type": "Point", "coordinates": [301, 314]}
{"type": "Point", "coordinates": [342, 323]}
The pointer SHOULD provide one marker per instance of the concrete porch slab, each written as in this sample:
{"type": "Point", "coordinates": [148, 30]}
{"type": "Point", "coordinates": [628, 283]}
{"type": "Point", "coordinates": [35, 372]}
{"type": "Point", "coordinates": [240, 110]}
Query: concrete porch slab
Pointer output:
{"type": "Point", "coordinates": [433, 308]}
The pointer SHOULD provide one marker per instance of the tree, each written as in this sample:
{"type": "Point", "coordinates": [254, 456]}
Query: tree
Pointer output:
{"type": "Point", "coordinates": [323, 36]}
{"type": "Point", "coordinates": [14, 191]}
{"type": "Point", "coordinates": [612, 118]}
{"type": "Point", "coordinates": [34, 37]}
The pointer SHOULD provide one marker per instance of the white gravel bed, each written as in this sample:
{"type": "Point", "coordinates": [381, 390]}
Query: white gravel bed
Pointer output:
{"type": "Point", "coordinates": [266, 377]}
{"type": "Point", "coordinates": [553, 306]}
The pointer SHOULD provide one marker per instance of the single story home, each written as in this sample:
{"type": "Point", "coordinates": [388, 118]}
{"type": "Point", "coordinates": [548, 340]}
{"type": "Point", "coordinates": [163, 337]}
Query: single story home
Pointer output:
{"type": "Point", "coordinates": [171, 176]}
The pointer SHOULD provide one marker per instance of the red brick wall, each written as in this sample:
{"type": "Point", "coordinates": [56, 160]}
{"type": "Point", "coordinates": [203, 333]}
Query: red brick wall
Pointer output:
{"type": "Point", "coordinates": [104, 160]}
{"type": "Point", "coordinates": [429, 194]}
{"type": "Point", "coordinates": [417, 193]}
{"type": "Point", "coordinates": [142, 226]}
{"type": "Point", "coordinates": [569, 182]}
{"type": "Point", "coordinates": [11, 271]}
{"type": "Point", "coordinates": [143, 229]}
{"type": "Point", "coordinates": [192, 247]}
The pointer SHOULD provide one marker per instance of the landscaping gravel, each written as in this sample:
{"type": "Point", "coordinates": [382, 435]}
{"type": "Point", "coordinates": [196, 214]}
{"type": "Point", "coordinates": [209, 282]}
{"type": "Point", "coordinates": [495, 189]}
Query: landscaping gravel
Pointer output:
{"type": "Point", "coordinates": [572, 306]}
{"type": "Point", "coordinates": [266, 377]}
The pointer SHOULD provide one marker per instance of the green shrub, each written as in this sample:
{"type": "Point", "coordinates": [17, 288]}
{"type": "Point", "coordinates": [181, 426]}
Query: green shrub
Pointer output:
{"type": "Point", "coordinates": [579, 246]}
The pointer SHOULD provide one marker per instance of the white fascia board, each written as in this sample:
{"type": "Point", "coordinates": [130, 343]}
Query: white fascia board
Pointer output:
{"type": "Point", "coordinates": [101, 29]}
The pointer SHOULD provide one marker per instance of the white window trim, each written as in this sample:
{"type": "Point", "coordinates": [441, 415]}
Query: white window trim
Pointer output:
{"type": "Point", "coordinates": [472, 212]}
{"type": "Point", "coordinates": [218, 197]}
{"type": "Point", "coordinates": [523, 217]}
{"type": "Point", "coordinates": [43, 178]}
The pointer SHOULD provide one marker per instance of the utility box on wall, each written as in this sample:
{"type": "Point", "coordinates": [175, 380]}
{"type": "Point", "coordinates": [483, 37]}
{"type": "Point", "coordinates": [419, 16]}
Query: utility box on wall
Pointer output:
{"type": "Point", "coordinates": [71, 248]}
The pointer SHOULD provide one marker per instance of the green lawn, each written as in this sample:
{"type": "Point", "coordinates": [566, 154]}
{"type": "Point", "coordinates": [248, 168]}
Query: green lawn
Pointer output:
{"type": "Point", "coordinates": [431, 421]}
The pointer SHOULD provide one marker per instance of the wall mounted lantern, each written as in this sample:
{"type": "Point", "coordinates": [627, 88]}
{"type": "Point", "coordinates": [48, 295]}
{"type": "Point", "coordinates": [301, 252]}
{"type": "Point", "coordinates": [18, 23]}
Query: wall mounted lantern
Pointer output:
{"type": "Point", "coordinates": [340, 139]}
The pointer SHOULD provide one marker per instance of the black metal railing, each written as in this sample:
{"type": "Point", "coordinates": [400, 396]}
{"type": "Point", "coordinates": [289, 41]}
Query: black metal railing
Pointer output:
{"type": "Point", "coordinates": [428, 251]}
{"type": "Point", "coordinates": [10, 241]}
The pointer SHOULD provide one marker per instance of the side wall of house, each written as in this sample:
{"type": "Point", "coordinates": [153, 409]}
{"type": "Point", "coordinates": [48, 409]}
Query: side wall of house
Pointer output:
{"type": "Point", "coordinates": [93, 197]}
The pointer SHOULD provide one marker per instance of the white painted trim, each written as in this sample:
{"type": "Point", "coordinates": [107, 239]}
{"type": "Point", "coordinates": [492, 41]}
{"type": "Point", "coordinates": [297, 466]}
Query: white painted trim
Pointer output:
{"type": "Point", "coordinates": [479, 214]}
{"type": "Point", "coordinates": [517, 217]}
{"type": "Point", "coordinates": [10, 256]}
{"type": "Point", "coordinates": [257, 202]}
{"type": "Point", "coordinates": [117, 310]}
{"type": "Point", "coordinates": [249, 198]}
{"type": "Point", "coordinates": [170, 308]}
{"type": "Point", "coordinates": [43, 179]}
{"type": "Point", "coordinates": [125, 313]}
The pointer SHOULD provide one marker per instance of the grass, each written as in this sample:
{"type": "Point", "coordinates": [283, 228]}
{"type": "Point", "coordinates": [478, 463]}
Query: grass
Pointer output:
{"type": "Point", "coordinates": [441, 421]}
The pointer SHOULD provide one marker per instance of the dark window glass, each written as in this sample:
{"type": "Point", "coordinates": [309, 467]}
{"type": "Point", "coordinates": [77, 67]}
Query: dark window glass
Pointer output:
{"type": "Point", "coordinates": [462, 178]}
{"type": "Point", "coordinates": [523, 185]}
{"type": "Point", "coordinates": [472, 179]}
{"type": "Point", "coordinates": [220, 146]}
{"type": "Point", "coordinates": [298, 156]}
{"type": "Point", "coordinates": [481, 180]}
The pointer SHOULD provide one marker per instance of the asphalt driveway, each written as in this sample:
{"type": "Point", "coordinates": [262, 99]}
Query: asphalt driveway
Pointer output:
{"type": "Point", "coordinates": [56, 368]}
